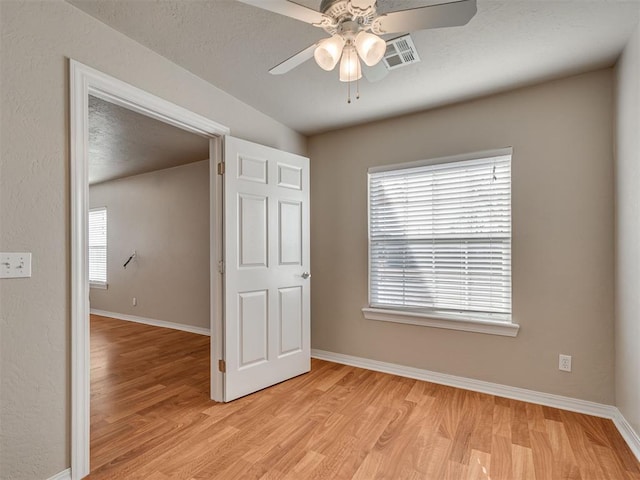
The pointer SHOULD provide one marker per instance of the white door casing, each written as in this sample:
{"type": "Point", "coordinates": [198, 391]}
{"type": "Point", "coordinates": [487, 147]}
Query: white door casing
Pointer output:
{"type": "Point", "coordinates": [85, 81]}
{"type": "Point", "coordinates": [266, 256]}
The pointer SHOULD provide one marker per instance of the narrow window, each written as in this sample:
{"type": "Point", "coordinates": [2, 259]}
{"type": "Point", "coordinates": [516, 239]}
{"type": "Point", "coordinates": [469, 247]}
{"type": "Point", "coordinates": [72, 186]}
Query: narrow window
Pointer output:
{"type": "Point", "coordinates": [440, 238]}
{"type": "Point", "coordinates": [98, 247]}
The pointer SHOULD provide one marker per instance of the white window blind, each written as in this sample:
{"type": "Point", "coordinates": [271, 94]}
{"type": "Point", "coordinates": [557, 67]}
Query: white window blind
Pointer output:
{"type": "Point", "coordinates": [98, 246]}
{"type": "Point", "coordinates": [440, 238]}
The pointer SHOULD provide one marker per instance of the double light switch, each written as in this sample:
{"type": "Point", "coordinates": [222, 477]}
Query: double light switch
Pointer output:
{"type": "Point", "coordinates": [15, 265]}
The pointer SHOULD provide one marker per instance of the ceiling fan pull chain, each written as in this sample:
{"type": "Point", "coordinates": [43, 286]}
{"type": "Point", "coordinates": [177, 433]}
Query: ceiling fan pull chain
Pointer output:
{"type": "Point", "coordinates": [348, 52]}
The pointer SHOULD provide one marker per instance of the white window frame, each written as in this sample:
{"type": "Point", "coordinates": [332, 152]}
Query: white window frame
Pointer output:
{"type": "Point", "coordinates": [92, 283]}
{"type": "Point", "coordinates": [464, 321]}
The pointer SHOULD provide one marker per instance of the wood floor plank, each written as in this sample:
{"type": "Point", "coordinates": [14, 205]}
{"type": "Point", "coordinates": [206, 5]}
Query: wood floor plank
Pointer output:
{"type": "Point", "coordinates": [439, 449]}
{"type": "Point", "coordinates": [501, 425]}
{"type": "Point", "coordinates": [501, 459]}
{"type": "Point", "coordinates": [522, 462]}
{"type": "Point", "coordinates": [564, 462]}
{"type": "Point", "coordinates": [152, 419]}
{"type": "Point", "coordinates": [479, 465]}
{"type": "Point", "coordinates": [480, 439]}
{"type": "Point", "coordinates": [616, 443]}
{"type": "Point", "coordinates": [305, 466]}
{"type": "Point", "coordinates": [535, 418]}
{"type": "Point", "coordinates": [467, 425]}
{"type": "Point", "coordinates": [581, 445]}
{"type": "Point", "coordinates": [519, 424]}
{"type": "Point", "coordinates": [542, 453]}
{"type": "Point", "coordinates": [370, 467]}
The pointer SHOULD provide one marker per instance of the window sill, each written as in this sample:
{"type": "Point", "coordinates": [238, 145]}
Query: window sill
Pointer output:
{"type": "Point", "coordinates": [100, 286]}
{"type": "Point", "coordinates": [491, 327]}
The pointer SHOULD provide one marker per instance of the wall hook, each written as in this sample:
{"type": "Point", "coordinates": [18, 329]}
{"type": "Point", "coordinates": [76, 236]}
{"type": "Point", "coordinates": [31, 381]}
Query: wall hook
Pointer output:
{"type": "Point", "coordinates": [129, 259]}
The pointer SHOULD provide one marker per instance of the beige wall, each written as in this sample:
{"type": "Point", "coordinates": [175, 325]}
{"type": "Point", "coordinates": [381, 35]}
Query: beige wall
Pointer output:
{"type": "Point", "coordinates": [627, 328]}
{"type": "Point", "coordinates": [164, 217]}
{"type": "Point", "coordinates": [562, 183]}
{"type": "Point", "coordinates": [37, 39]}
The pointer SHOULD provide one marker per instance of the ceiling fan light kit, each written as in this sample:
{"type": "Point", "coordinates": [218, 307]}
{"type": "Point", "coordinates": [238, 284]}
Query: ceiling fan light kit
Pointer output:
{"type": "Point", "coordinates": [355, 26]}
{"type": "Point", "coordinates": [369, 47]}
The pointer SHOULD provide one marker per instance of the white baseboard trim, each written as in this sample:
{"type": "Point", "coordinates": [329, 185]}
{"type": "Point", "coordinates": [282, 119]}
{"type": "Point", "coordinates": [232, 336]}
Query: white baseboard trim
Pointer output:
{"type": "Point", "coordinates": [515, 393]}
{"type": "Point", "coordinates": [547, 399]}
{"type": "Point", "coordinates": [151, 321]}
{"type": "Point", "coordinates": [628, 433]}
{"type": "Point", "coordinates": [64, 475]}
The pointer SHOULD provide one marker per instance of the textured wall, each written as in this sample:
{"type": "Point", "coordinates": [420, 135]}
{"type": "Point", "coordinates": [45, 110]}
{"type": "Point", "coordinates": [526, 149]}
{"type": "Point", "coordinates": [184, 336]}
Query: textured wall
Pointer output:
{"type": "Point", "coordinates": [164, 216]}
{"type": "Point", "coordinates": [562, 184]}
{"type": "Point", "coordinates": [37, 39]}
{"type": "Point", "coordinates": [628, 233]}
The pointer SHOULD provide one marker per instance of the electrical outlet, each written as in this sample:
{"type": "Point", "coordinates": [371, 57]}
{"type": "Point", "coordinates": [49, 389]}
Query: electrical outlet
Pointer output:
{"type": "Point", "coordinates": [134, 302]}
{"type": "Point", "coordinates": [564, 363]}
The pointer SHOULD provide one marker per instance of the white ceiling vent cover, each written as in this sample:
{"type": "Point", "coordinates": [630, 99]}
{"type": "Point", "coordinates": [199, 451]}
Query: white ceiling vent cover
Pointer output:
{"type": "Point", "coordinates": [400, 52]}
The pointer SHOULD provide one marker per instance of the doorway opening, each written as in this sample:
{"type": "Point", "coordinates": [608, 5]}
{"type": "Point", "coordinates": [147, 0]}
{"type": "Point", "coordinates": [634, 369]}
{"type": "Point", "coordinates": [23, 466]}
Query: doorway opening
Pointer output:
{"type": "Point", "coordinates": [148, 273]}
{"type": "Point", "coordinates": [87, 83]}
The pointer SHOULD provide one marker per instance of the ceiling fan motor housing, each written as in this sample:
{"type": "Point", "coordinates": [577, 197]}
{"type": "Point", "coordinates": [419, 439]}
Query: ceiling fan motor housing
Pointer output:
{"type": "Point", "coordinates": [339, 12]}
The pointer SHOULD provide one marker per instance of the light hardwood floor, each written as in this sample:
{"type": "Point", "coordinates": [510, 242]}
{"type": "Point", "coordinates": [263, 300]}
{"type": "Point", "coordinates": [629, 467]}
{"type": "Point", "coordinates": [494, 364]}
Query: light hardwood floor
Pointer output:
{"type": "Point", "coordinates": [151, 418]}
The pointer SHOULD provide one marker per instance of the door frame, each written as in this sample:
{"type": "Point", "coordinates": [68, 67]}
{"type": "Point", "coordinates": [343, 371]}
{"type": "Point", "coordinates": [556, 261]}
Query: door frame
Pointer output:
{"type": "Point", "coordinates": [84, 81]}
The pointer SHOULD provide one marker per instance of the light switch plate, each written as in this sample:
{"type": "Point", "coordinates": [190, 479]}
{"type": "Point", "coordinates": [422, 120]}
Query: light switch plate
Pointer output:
{"type": "Point", "coordinates": [15, 264]}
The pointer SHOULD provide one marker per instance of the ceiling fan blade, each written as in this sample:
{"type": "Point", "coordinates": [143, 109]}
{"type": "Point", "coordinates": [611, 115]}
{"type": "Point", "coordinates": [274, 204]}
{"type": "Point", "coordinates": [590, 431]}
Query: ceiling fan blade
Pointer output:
{"type": "Point", "coordinates": [294, 61]}
{"type": "Point", "coordinates": [433, 16]}
{"type": "Point", "coordinates": [288, 9]}
{"type": "Point", "coordinates": [375, 73]}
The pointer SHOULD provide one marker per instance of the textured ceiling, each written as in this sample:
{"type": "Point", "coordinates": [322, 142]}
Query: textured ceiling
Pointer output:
{"type": "Point", "coordinates": [124, 143]}
{"type": "Point", "coordinates": [509, 43]}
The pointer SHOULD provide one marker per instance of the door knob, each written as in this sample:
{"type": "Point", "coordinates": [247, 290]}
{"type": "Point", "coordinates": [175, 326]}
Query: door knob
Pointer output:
{"type": "Point", "coordinates": [305, 275]}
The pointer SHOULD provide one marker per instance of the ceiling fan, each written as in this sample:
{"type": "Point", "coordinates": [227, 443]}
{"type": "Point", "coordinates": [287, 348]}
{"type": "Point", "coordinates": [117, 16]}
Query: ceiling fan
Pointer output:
{"type": "Point", "coordinates": [355, 27]}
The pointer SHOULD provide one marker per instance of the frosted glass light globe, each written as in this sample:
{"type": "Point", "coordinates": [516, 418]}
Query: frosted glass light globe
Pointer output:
{"type": "Point", "coordinates": [370, 47]}
{"type": "Point", "coordinates": [328, 52]}
{"type": "Point", "coordinates": [350, 65]}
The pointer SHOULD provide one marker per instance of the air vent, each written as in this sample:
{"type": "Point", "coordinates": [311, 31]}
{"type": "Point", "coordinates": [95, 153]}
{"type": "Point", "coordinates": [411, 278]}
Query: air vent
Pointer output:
{"type": "Point", "coordinates": [400, 52]}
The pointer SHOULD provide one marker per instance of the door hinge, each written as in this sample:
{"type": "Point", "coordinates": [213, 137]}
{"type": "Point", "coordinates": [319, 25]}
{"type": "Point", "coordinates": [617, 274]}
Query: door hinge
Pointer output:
{"type": "Point", "coordinates": [222, 366]}
{"type": "Point", "coordinates": [221, 168]}
{"type": "Point", "coordinates": [221, 267]}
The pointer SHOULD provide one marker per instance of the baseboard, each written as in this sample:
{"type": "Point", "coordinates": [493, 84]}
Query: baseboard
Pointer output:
{"type": "Point", "coordinates": [64, 475]}
{"type": "Point", "coordinates": [515, 393]}
{"type": "Point", "coordinates": [628, 433]}
{"type": "Point", "coordinates": [152, 322]}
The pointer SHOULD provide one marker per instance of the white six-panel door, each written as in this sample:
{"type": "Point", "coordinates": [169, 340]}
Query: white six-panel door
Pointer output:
{"type": "Point", "coordinates": [266, 286]}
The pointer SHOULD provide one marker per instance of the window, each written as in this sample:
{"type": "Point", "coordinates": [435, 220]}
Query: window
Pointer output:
{"type": "Point", "coordinates": [440, 243]}
{"type": "Point", "coordinates": [98, 247]}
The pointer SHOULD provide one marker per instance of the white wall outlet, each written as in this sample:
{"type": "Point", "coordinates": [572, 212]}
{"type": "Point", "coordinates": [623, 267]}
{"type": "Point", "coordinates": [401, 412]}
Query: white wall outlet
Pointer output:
{"type": "Point", "coordinates": [15, 265]}
{"type": "Point", "coordinates": [134, 302]}
{"type": "Point", "coordinates": [564, 363]}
